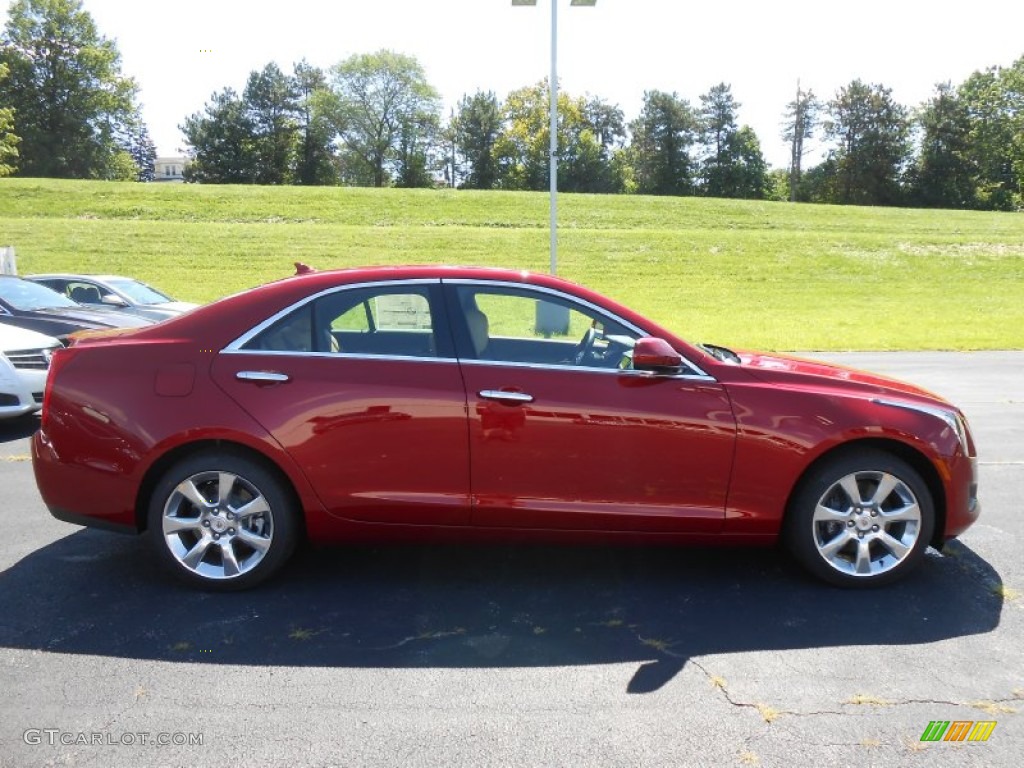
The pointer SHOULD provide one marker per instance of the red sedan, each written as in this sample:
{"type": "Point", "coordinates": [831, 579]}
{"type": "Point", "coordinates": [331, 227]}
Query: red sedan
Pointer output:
{"type": "Point", "coordinates": [401, 403]}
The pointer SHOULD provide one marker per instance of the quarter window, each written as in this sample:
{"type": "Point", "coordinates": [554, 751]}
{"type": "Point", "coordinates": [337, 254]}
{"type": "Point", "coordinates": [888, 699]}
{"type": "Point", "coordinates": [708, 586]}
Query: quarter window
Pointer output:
{"type": "Point", "coordinates": [386, 321]}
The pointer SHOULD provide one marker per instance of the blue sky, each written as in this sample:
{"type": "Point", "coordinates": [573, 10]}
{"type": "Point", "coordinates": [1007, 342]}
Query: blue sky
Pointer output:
{"type": "Point", "coordinates": [181, 51]}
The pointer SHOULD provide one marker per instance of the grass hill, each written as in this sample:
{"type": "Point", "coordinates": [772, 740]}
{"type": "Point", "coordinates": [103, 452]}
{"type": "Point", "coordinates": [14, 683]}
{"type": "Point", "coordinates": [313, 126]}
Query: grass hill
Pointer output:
{"type": "Point", "coordinates": [740, 273]}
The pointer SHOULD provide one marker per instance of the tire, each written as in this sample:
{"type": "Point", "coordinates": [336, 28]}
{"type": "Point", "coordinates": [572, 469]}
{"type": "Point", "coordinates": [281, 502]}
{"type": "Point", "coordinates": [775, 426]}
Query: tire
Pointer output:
{"type": "Point", "coordinates": [860, 519]}
{"type": "Point", "coordinates": [221, 521]}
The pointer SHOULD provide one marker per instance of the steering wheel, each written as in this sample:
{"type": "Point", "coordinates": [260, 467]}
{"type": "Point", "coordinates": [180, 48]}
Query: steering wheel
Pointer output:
{"type": "Point", "coordinates": [585, 346]}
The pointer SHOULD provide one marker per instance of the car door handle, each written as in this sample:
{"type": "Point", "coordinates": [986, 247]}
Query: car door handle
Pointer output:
{"type": "Point", "coordinates": [262, 377]}
{"type": "Point", "coordinates": [506, 397]}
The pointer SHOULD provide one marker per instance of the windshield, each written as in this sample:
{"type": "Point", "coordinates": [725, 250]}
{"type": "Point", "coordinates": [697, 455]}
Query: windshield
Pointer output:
{"type": "Point", "coordinates": [26, 296]}
{"type": "Point", "coordinates": [139, 293]}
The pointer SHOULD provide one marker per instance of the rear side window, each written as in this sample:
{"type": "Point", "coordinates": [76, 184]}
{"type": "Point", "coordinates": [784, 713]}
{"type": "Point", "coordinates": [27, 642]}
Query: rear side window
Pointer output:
{"type": "Point", "coordinates": [379, 321]}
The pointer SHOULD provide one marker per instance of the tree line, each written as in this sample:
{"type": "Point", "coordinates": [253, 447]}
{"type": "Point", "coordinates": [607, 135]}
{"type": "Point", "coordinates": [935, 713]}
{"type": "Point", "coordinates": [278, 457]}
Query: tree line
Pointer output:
{"type": "Point", "coordinates": [374, 119]}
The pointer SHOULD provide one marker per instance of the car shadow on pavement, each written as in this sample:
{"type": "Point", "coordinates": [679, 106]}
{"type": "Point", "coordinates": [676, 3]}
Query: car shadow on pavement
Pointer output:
{"type": "Point", "coordinates": [472, 607]}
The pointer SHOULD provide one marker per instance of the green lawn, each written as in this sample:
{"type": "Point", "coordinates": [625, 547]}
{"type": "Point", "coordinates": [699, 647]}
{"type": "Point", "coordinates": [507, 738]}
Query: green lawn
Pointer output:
{"type": "Point", "coordinates": [745, 274]}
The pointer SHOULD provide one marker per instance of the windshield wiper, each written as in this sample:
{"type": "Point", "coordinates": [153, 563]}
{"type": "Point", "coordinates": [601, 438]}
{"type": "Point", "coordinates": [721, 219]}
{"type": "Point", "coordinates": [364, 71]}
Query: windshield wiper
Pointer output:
{"type": "Point", "coordinates": [721, 353]}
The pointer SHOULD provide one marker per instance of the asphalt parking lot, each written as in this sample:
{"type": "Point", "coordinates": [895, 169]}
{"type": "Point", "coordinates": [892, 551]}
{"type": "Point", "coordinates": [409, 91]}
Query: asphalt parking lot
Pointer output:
{"type": "Point", "coordinates": [524, 656]}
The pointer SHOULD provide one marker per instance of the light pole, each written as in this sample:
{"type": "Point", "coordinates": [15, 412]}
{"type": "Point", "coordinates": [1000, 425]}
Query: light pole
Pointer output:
{"type": "Point", "coordinates": [553, 87]}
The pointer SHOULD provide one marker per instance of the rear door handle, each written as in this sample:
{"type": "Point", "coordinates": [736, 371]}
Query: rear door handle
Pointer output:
{"type": "Point", "coordinates": [262, 377]}
{"type": "Point", "coordinates": [512, 398]}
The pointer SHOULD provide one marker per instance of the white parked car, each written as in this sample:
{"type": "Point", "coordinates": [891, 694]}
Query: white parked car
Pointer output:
{"type": "Point", "coordinates": [24, 360]}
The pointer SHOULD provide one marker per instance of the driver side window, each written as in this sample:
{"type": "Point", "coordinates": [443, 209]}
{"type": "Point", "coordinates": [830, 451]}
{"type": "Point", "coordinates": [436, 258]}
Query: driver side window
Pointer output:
{"type": "Point", "coordinates": [523, 326]}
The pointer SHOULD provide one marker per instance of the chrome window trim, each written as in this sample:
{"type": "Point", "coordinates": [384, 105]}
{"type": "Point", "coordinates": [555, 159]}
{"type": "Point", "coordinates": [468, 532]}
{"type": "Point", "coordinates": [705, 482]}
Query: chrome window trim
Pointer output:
{"type": "Point", "coordinates": [589, 369]}
{"type": "Point", "coordinates": [245, 338]}
{"type": "Point", "coordinates": [235, 347]}
{"type": "Point", "coordinates": [696, 371]}
{"type": "Point", "coordinates": [468, 361]}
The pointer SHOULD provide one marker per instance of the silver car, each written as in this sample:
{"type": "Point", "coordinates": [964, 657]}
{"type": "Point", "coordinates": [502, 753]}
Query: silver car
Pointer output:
{"type": "Point", "coordinates": [113, 292]}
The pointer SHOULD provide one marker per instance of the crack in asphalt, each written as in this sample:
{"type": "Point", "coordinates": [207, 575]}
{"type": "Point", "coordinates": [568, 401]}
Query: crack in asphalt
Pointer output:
{"type": "Point", "coordinates": [986, 705]}
{"type": "Point", "coordinates": [421, 637]}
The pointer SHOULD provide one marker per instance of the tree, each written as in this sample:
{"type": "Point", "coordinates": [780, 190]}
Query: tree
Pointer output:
{"type": "Point", "coordinates": [276, 132]}
{"type": "Point", "coordinates": [943, 175]}
{"type": "Point", "coordinates": [378, 100]}
{"type": "Point", "coordinates": [717, 124]}
{"type": "Point", "coordinates": [417, 146]}
{"type": "Point", "coordinates": [221, 142]}
{"type": "Point", "coordinates": [522, 147]}
{"type": "Point", "coordinates": [314, 157]}
{"type": "Point", "coordinates": [819, 184]}
{"type": "Point", "coordinates": [270, 105]}
{"type": "Point", "coordinates": [733, 165]}
{"type": "Point", "coordinates": [587, 134]}
{"type": "Point", "coordinates": [748, 176]}
{"type": "Point", "coordinates": [8, 140]}
{"type": "Point", "coordinates": [475, 128]}
{"type": "Point", "coordinates": [601, 140]}
{"type": "Point", "coordinates": [142, 150]}
{"type": "Point", "coordinates": [69, 97]}
{"type": "Point", "coordinates": [1013, 83]}
{"type": "Point", "coordinates": [994, 102]}
{"type": "Point", "coordinates": [872, 132]}
{"type": "Point", "coordinates": [659, 152]}
{"type": "Point", "coordinates": [801, 121]}
{"type": "Point", "coordinates": [777, 189]}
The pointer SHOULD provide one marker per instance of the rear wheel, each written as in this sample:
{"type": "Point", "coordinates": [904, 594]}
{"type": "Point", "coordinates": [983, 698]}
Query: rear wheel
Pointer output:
{"type": "Point", "coordinates": [222, 521]}
{"type": "Point", "coordinates": [862, 519]}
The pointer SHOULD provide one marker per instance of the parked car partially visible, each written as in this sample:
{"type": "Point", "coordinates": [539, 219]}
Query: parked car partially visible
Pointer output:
{"type": "Point", "coordinates": [117, 293]}
{"type": "Point", "coordinates": [24, 360]}
{"type": "Point", "coordinates": [37, 308]}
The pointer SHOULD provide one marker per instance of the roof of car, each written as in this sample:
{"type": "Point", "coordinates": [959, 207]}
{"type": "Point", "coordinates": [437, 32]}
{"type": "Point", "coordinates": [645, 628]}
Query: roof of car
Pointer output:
{"type": "Point", "coordinates": [429, 271]}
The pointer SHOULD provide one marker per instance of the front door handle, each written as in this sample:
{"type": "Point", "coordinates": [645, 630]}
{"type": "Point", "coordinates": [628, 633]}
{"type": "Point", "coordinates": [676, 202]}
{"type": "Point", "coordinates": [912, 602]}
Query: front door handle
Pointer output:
{"type": "Point", "coordinates": [510, 398]}
{"type": "Point", "coordinates": [262, 377]}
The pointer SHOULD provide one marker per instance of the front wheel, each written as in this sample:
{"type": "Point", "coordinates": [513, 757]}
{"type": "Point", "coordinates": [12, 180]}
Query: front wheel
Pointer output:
{"type": "Point", "coordinates": [222, 521]}
{"type": "Point", "coordinates": [861, 520]}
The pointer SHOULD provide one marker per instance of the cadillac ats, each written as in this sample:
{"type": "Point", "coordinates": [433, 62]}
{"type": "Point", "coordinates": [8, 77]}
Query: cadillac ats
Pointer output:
{"type": "Point", "coordinates": [484, 404]}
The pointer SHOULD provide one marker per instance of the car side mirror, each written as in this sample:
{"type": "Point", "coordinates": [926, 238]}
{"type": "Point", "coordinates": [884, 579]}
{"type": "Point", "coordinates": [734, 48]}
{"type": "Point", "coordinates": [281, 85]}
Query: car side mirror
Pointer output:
{"type": "Point", "coordinates": [652, 354]}
{"type": "Point", "coordinates": [113, 300]}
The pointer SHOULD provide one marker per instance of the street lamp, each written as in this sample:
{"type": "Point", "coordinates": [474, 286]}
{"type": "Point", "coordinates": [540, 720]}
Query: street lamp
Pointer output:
{"type": "Point", "coordinates": [554, 120]}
